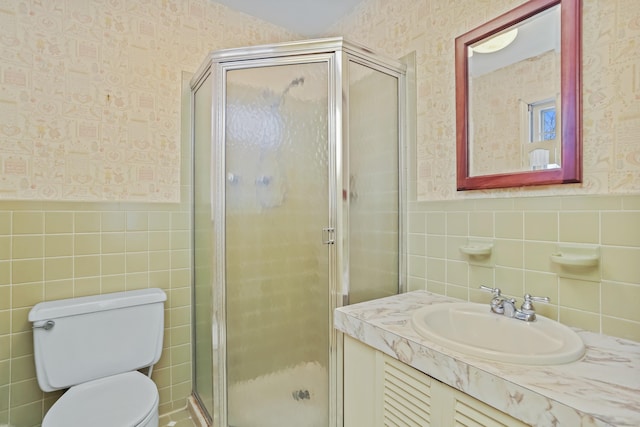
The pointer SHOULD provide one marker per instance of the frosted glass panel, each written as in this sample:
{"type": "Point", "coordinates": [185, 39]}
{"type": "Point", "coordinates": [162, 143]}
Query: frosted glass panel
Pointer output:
{"type": "Point", "coordinates": [276, 265]}
{"type": "Point", "coordinates": [203, 247]}
{"type": "Point", "coordinates": [373, 184]}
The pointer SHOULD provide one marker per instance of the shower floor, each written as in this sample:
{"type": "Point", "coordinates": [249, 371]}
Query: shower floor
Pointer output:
{"type": "Point", "coordinates": [293, 397]}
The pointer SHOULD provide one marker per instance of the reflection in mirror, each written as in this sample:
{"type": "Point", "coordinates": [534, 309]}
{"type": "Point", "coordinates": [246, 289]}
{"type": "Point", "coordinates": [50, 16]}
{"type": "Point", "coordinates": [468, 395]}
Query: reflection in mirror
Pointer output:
{"type": "Point", "coordinates": [514, 89]}
{"type": "Point", "coordinates": [518, 98]}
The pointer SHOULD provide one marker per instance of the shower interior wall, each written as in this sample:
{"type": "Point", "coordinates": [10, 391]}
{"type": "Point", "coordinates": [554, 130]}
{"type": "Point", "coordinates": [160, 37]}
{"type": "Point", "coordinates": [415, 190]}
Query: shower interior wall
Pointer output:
{"type": "Point", "coordinates": [374, 159]}
{"type": "Point", "coordinates": [274, 259]}
{"type": "Point", "coordinates": [275, 249]}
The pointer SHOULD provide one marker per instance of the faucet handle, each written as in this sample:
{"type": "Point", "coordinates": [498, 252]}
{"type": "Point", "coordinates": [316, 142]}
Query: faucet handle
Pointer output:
{"type": "Point", "coordinates": [496, 292]}
{"type": "Point", "coordinates": [497, 302]}
{"type": "Point", "coordinates": [527, 304]}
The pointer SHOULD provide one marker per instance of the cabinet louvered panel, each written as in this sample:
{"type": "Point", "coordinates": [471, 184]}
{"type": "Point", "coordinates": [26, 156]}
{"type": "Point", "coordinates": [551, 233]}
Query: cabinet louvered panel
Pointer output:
{"type": "Point", "coordinates": [469, 412]}
{"type": "Point", "coordinates": [407, 396]}
{"type": "Point", "coordinates": [382, 391]}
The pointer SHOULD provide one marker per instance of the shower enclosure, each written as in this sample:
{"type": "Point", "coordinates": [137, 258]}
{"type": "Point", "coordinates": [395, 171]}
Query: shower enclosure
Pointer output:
{"type": "Point", "coordinates": [297, 210]}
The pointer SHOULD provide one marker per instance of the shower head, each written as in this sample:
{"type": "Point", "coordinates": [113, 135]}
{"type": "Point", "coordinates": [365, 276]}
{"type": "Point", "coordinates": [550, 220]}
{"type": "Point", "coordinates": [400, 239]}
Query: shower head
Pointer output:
{"type": "Point", "coordinates": [298, 81]}
{"type": "Point", "coordinates": [295, 82]}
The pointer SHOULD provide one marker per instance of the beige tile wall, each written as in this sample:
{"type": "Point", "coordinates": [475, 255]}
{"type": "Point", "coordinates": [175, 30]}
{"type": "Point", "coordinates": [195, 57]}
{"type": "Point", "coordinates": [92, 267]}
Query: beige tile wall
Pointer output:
{"type": "Point", "coordinates": [55, 249]}
{"type": "Point", "coordinates": [524, 233]}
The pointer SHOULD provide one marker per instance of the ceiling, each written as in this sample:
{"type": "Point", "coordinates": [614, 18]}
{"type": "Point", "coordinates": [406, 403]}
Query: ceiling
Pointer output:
{"type": "Point", "coordinates": [536, 35]}
{"type": "Point", "coordinates": [309, 18]}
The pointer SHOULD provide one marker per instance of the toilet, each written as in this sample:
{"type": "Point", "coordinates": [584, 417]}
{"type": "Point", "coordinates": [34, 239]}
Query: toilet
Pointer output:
{"type": "Point", "coordinates": [94, 346]}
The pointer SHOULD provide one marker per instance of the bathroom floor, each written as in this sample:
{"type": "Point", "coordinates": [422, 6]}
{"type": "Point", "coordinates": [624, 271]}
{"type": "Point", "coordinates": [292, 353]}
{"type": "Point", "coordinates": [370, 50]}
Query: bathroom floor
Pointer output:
{"type": "Point", "coordinates": [180, 418]}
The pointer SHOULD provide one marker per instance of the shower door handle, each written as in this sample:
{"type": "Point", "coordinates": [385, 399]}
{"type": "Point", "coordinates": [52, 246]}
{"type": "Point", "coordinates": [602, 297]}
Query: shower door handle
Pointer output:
{"type": "Point", "coordinates": [327, 236]}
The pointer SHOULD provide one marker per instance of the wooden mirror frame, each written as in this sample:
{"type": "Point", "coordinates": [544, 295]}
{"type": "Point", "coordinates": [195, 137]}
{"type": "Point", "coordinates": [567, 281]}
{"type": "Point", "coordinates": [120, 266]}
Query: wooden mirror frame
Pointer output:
{"type": "Point", "coordinates": [570, 92]}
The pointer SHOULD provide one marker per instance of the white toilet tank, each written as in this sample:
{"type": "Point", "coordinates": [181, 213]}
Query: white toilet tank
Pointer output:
{"type": "Point", "coordinates": [81, 339]}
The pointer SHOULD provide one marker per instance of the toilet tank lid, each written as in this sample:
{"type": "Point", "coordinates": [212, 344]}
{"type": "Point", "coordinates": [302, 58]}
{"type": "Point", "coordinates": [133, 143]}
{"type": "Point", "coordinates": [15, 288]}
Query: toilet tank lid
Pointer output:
{"type": "Point", "coordinates": [81, 305]}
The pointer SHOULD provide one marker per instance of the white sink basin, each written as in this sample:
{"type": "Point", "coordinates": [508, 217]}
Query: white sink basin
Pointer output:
{"type": "Point", "coordinates": [472, 329]}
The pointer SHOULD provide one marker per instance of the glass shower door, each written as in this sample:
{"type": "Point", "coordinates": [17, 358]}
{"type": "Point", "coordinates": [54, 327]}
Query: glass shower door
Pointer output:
{"type": "Point", "coordinates": [277, 281]}
{"type": "Point", "coordinates": [373, 183]}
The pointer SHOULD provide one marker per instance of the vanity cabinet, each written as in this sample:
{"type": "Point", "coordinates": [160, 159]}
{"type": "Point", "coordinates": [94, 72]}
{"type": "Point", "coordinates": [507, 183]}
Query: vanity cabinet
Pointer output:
{"type": "Point", "coordinates": [382, 391]}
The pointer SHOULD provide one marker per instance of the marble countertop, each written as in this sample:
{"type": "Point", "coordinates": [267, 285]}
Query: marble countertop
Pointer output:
{"type": "Point", "coordinates": [601, 389]}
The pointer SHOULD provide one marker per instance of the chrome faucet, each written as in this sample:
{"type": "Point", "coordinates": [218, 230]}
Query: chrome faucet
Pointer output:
{"type": "Point", "coordinates": [497, 302]}
{"type": "Point", "coordinates": [507, 306]}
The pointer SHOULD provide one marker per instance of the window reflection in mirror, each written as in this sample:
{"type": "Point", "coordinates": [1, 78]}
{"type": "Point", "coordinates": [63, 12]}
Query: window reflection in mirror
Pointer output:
{"type": "Point", "coordinates": [514, 97]}
{"type": "Point", "coordinates": [542, 147]}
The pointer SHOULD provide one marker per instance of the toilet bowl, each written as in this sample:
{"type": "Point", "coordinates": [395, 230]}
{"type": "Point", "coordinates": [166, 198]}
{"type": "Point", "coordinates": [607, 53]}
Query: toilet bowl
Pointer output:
{"type": "Point", "coordinates": [129, 399]}
{"type": "Point", "coordinates": [94, 347]}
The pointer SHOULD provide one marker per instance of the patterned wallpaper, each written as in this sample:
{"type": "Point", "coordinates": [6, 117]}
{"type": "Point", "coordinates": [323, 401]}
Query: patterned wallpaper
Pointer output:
{"type": "Point", "coordinates": [90, 93]}
{"type": "Point", "coordinates": [89, 90]}
{"type": "Point", "coordinates": [611, 86]}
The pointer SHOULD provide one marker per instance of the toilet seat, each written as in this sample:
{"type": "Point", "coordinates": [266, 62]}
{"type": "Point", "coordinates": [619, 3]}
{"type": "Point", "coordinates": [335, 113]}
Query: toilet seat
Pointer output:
{"type": "Point", "coordinates": [129, 399]}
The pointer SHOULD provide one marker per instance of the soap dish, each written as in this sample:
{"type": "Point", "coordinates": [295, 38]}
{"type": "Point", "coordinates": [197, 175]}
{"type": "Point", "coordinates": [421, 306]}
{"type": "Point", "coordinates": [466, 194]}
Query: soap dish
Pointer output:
{"type": "Point", "coordinates": [576, 255]}
{"type": "Point", "coordinates": [476, 250]}
{"type": "Point", "coordinates": [477, 247]}
{"type": "Point", "coordinates": [575, 260]}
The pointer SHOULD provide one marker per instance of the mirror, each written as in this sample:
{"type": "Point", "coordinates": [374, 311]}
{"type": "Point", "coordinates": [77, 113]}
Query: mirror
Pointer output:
{"type": "Point", "coordinates": [518, 108]}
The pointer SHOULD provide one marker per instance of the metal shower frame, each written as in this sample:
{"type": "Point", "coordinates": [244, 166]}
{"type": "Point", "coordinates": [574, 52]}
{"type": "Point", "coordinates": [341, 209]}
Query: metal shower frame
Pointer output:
{"type": "Point", "coordinates": [336, 52]}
